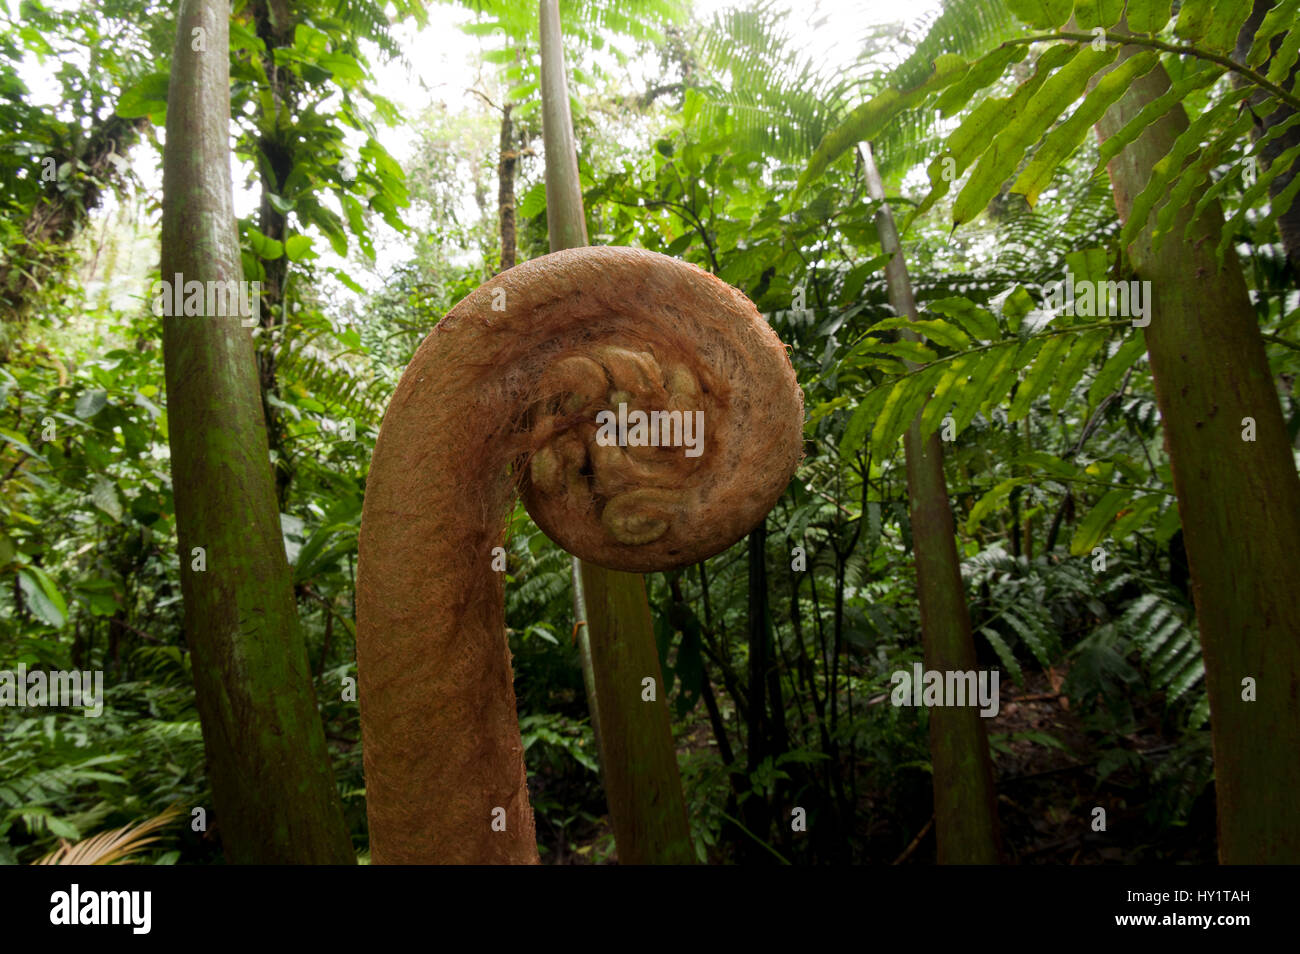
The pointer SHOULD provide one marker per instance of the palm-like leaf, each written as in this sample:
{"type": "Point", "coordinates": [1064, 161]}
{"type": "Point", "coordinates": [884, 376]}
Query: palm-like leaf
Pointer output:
{"type": "Point", "coordinates": [112, 847]}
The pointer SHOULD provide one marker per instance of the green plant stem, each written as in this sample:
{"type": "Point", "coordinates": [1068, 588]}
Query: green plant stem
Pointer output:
{"type": "Point", "coordinates": [638, 760]}
{"type": "Point", "coordinates": [1130, 39]}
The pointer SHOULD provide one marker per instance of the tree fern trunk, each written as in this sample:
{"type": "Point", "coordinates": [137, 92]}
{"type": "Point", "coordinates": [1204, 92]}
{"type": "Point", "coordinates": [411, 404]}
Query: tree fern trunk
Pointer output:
{"type": "Point", "coordinates": [275, 797]}
{"type": "Point", "coordinates": [965, 806]}
{"type": "Point", "coordinates": [1239, 500]}
{"type": "Point", "coordinates": [507, 159]}
{"type": "Point", "coordinates": [638, 759]}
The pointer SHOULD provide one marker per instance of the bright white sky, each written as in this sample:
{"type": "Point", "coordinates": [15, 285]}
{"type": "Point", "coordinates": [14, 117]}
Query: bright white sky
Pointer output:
{"type": "Point", "coordinates": [444, 62]}
{"type": "Point", "coordinates": [445, 59]}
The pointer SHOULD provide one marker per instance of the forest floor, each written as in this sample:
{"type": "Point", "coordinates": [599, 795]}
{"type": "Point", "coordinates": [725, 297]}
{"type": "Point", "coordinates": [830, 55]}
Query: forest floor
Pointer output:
{"type": "Point", "coordinates": [1048, 795]}
{"type": "Point", "coordinates": [1052, 774]}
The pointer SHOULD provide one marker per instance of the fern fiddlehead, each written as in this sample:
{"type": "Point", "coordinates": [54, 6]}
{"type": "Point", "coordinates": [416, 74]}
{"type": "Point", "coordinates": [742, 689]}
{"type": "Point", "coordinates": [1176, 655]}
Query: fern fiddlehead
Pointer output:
{"type": "Point", "coordinates": [510, 394]}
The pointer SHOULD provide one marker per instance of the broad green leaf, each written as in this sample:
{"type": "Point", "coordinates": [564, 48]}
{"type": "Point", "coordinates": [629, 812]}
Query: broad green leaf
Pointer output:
{"type": "Point", "coordinates": [868, 119]}
{"type": "Point", "coordinates": [1082, 351]}
{"type": "Point", "coordinates": [1016, 305]}
{"type": "Point", "coordinates": [346, 279]}
{"type": "Point", "coordinates": [1191, 181]}
{"type": "Point", "coordinates": [1097, 13]}
{"type": "Point", "coordinates": [1014, 139]}
{"type": "Point", "coordinates": [60, 828]}
{"type": "Point", "coordinates": [327, 222]}
{"type": "Point", "coordinates": [344, 67]}
{"type": "Point", "coordinates": [1096, 525]}
{"type": "Point", "coordinates": [1228, 179]}
{"type": "Point", "coordinates": [992, 500]}
{"type": "Point", "coordinates": [104, 496]}
{"type": "Point", "coordinates": [1148, 16]}
{"type": "Point", "coordinates": [310, 42]}
{"type": "Point", "coordinates": [534, 201]}
{"type": "Point", "coordinates": [1039, 376]}
{"type": "Point", "coordinates": [857, 278]}
{"type": "Point", "coordinates": [517, 94]}
{"type": "Point", "coordinates": [1171, 164]}
{"type": "Point", "coordinates": [1042, 14]}
{"type": "Point", "coordinates": [43, 596]}
{"type": "Point", "coordinates": [904, 349]}
{"type": "Point", "coordinates": [940, 332]}
{"type": "Point", "coordinates": [982, 73]}
{"type": "Point", "coordinates": [984, 374]}
{"type": "Point", "coordinates": [1200, 75]}
{"type": "Point", "coordinates": [1279, 68]}
{"type": "Point", "coordinates": [90, 403]}
{"type": "Point", "coordinates": [1047, 463]}
{"type": "Point", "coordinates": [969, 140]}
{"type": "Point", "coordinates": [1137, 515]}
{"type": "Point", "coordinates": [1132, 348]}
{"type": "Point", "coordinates": [296, 247]}
{"type": "Point", "coordinates": [1008, 372]}
{"type": "Point", "coordinates": [947, 390]}
{"type": "Point", "coordinates": [99, 596]}
{"type": "Point", "coordinates": [1212, 24]}
{"type": "Point", "coordinates": [242, 38]}
{"type": "Point", "coordinates": [1281, 18]}
{"type": "Point", "coordinates": [356, 215]}
{"type": "Point", "coordinates": [1066, 137]}
{"type": "Point", "coordinates": [978, 322]}
{"type": "Point", "coordinates": [823, 408]}
{"type": "Point", "coordinates": [863, 420]}
{"type": "Point", "coordinates": [267, 249]}
{"type": "Point", "coordinates": [148, 97]}
{"type": "Point", "coordinates": [1253, 198]}
{"type": "Point", "coordinates": [1088, 264]}
{"type": "Point", "coordinates": [905, 401]}
{"type": "Point", "coordinates": [1168, 524]}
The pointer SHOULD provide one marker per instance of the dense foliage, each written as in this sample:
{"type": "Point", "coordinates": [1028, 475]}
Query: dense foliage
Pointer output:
{"type": "Point", "coordinates": [1068, 527]}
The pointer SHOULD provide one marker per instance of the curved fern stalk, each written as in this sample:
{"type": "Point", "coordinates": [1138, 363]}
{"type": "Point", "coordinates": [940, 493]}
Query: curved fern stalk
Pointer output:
{"type": "Point", "coordinates": [502, 397]}
{"type": "Point", "coordinates": [965, 807]}
{"type": "Point", "coordinates": [612, 615]}
{"type": "Point", "coordinates": [112, 847]}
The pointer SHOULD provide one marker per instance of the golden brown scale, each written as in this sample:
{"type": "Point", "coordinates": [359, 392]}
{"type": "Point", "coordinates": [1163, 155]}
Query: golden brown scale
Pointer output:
{"type": "Point", "coordinates": [498, 402]}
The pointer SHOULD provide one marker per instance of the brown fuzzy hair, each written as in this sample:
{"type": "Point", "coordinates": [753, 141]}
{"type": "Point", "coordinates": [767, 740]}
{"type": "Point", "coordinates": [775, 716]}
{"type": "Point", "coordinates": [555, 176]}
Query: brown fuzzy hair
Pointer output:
{"type": "Point", "coordinates": [502, 398]}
